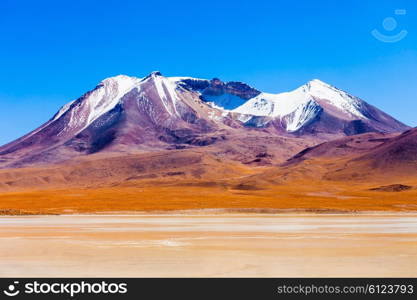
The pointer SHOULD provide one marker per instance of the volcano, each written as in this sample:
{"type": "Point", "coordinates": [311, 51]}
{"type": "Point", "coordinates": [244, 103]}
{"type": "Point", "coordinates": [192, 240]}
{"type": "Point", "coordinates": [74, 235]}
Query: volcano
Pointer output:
{"type": "Point", "coordinates": [125, 114]}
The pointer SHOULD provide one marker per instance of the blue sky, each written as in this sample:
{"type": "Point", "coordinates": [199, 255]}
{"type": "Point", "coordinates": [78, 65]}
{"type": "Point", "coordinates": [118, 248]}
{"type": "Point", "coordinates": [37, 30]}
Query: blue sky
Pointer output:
{"type": "Point", "coordinates": [51, 52]}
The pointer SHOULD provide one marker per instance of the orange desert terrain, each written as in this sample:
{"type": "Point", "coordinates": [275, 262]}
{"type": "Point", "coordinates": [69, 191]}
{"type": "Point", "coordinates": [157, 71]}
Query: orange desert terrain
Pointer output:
{"type": "Point", "coordinates": [193, 180]}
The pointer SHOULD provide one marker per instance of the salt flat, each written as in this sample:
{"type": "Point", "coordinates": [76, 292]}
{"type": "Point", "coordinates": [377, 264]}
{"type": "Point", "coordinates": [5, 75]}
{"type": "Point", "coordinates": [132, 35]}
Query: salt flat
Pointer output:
{"type": "Point", "coordinates": [286, 245]}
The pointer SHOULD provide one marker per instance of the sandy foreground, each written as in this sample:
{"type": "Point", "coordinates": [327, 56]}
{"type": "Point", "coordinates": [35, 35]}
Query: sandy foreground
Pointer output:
{"type": "Point", "coordinates": [286, 245]}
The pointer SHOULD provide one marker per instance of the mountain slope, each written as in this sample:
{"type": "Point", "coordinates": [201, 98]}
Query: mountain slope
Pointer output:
{"type": "Point", "coordinates": [366, 157]}
{"type": "Point", "coordinates": [397, 156]}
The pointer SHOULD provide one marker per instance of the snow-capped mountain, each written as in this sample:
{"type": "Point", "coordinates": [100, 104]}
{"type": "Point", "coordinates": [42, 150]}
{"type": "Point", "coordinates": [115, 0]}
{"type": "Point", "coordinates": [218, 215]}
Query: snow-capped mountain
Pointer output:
{"type": "Point", "coordinates": [125, 114]}
{"type": "Point", "coordinates": [120, 114]}
{"type": "Point", "coordinates": [278, 105]}
{"type": "Point", "coordinates": [316, 102]}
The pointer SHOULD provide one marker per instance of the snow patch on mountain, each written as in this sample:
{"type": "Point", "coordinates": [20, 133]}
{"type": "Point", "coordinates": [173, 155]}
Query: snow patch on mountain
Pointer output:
{"type": "Point", "coordinates": [302, 115]}
{"type": "Point", "coordinates": [342, 100]}
{"type": "Point", "coordinates": [166, 90]}
{"type": "Point", "coordinates": [63, 110]}
{"type": "Point", "coordinates": [106, 98]}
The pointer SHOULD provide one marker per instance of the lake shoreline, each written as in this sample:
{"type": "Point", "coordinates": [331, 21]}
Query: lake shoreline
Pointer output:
{"type": "Point", "coordinates": [213, 212]}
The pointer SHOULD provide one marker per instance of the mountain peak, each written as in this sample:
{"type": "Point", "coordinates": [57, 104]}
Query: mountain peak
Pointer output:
{"type": "Point", "coordinates": [317, 83]}
{"type": "Point", "coordinates": [123, 82]}
{"type": "Point", "coordinates": [155, 73]}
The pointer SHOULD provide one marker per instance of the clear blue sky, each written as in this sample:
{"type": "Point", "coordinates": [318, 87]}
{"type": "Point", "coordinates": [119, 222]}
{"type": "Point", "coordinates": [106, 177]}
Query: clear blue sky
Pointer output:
{"type": "Point", "coordinates": [51, 52]}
